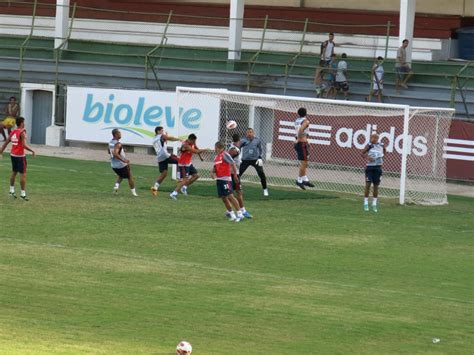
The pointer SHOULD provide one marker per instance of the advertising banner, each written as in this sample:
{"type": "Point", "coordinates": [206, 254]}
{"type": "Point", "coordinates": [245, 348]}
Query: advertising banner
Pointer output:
{"type": "Point", "coordinates": [92, 114]}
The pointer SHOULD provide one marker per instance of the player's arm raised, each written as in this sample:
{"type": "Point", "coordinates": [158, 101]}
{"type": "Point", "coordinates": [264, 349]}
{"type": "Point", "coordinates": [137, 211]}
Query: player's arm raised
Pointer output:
{"type": "Point", "coordinates": [171, 138]}
{"type": "Point", "coordinates": [23, 141]}
{"type": "Point", "coordinates": [364, 153]}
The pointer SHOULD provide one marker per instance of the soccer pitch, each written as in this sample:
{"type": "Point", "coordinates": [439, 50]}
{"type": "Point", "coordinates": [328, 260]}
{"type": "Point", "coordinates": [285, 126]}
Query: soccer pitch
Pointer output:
{"type": "Point", "coordinates": [83, 271]}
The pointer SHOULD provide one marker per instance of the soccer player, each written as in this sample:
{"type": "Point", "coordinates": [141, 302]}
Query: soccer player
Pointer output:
{"type": "Point", "coordinates": [187, 173]}
{"type": "Point", "coordinates": [377, 77]}
{"type": "Point", "coordinates": [251, 147]}
{"type": "Point", "coordinates": [162, 156]}
{"type": "Point", "coordinates": [374, 153]}
{"type": "Point", "coordinates": [224, 167]}
{"type": "Point", "coordinates": [234, 152]}
{"type": "Point", "coordinates": [18, 139]}
{"type": "Point", "coordinates": [302, 147]}
{"type": "Point", "coordinates": [120, 164]}
{"type": "Point", "coordinates": [341, 77]}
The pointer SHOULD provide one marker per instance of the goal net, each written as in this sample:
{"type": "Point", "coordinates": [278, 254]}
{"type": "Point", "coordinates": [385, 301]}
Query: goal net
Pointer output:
{"type": "Point", "coordinates": [414, 169]}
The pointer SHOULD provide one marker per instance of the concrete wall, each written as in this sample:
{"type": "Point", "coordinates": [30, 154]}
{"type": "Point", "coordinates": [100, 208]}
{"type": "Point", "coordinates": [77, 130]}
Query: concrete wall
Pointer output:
{"type": "Point", "coordinates": [436, 7]}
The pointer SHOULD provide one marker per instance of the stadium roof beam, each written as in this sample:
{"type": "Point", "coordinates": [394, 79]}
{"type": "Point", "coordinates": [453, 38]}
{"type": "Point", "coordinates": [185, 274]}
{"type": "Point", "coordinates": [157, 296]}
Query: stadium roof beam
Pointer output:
{"type": "Point", "coordinates": [407, 24]}
{"type": "Point", "coordinates": [236, 21]}
{"type": "Point", "coordinates": [62, 21]}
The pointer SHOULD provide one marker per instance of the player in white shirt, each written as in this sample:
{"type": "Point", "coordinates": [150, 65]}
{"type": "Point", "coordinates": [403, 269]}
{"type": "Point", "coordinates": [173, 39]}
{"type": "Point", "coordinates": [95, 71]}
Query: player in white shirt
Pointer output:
{"type": "Point", "coordinates": [374, 153]}
{"type": "Point", "coordinates": [236, 154]}
{"type": "Point", "coordinates": [163, 158]}
{"type": "Point", "coordinates": [341, 77]}
{"type": "Point", "coordinates": [327, 50]}
{"type": "Point", "coordinates": [302, 147]}
{"type": "Point", "coordinates": [377, 80]}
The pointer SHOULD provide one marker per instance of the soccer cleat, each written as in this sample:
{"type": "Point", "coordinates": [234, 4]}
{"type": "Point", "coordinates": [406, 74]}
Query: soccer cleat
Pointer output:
{"type": "Point", "coordinates": [307, 183]}
{"type": "Point", "coordinates": [184, 191]}
{"type": "Point", "coordinates": [228, 214]}
{"type": "Point", "coordinates": [238, 219]}
{"type": "Point", "coordinates": [265, 192]}
{"type": "Point", "coordinates": [374, 208]}
{"type": "Point", "coordinates": [232, 218]}
{"type": "Point", "coordinates": [173, 196]}
{"type": "Point", "coordinates": [12, 195]}
{"type": "Point", "coordinates": [301, 185]}
{"type": "Point", "coordinates": [246, 214]}
{"type": "Point", "coordinates": [154, 191]}
{"type": "Point", "coordinates": [24, 198]}
{"type": "Point", "coordinates": [366, 207]}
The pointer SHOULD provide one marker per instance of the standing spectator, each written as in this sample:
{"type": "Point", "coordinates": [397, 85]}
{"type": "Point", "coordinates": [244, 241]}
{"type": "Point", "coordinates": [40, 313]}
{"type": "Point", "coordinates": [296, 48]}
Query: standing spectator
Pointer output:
{"type": "Point", "coordinates": [327, 50]}
{"type": "Point", "coordinates": [12, 111]}
{"type": "Point", "coordinates": [341, 77]}
{"type": "Point", "coordinates": [331, 83]}
{"type": "Point", "coordinates": [377, 80]}
{"type": "Point", "coordinates": [251, 147]}
{"type": "Point", "coordinates": [402, 68]}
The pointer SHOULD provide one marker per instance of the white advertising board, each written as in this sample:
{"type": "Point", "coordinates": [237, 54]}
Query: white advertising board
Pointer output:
{"type": "Point", "coordinates": [92, 114]}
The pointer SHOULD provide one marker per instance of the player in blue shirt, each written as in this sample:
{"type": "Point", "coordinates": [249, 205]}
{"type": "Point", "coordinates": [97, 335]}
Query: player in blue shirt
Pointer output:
{"type": "Point", "coordinates": [374, 153]}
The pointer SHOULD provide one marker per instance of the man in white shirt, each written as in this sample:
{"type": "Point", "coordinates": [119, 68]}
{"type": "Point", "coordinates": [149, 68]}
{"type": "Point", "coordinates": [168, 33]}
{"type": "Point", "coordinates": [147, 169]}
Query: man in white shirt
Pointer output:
{"type": "Point", "coordinates": [341, 77]}
{"type": "Point", "coordinates": [327, 50]}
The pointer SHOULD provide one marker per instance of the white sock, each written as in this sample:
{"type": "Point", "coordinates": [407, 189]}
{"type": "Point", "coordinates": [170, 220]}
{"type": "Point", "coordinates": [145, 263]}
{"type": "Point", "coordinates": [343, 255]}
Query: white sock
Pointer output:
{"type": "Point", "coordinates": [116, 186]}
{"type": "Point", "coordinates": [184, 188]}
{"type": "Point", "coordinates": [134, 192]}
{"type": "Point", "coordinates": [300, 179]}
{"type": "Point", "coordinates": [23, 193]}
{"type": "Point", "coordinates": [12, 189]}
{"type": "Point", "coordinates": [239, 214]}
{"type": "Point", "coordinates": [243, 210]}
{"type": "Point", "coordinates": [232, 215]}
{"type": "Point", "coordinates": [374, 201]}
{"type": "Point", "coordinates": [157, 185]}
{"type": "Point", "coordinates": [305, 178]}
{"type": "Point", "coordinates": [174, 193]}
{"type": "Point", "coordinates": [366, 200]}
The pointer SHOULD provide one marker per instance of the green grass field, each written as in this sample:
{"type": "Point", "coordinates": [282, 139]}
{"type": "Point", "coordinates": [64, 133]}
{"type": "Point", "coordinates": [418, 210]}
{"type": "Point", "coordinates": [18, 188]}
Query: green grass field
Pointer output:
{"type": "Point", "coordinates": [83, 271]}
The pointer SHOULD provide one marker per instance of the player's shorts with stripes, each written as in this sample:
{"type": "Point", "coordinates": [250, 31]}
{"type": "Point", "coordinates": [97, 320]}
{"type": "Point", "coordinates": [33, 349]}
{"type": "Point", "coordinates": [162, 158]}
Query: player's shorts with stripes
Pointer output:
{"type": "Point", "coordinates": [163, 165]}
{"type": "Point", "coordinates": [19, 164]}
{"type": "Point", "coordinates": [124, 172]}
{"type": "Point", "coordinates": [302, 150]}
{"type": "Point", "coordinates": [184, 171]}
{"type": "Point", "coordinates": [224, 188]}
{"type": "Point", "coordinates": [373, 174]}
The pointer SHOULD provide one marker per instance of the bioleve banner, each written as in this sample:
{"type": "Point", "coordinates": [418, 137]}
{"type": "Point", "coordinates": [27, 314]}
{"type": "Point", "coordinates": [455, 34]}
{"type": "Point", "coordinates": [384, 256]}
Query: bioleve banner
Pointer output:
{"type": "Point", "coordinates": [93, 113]}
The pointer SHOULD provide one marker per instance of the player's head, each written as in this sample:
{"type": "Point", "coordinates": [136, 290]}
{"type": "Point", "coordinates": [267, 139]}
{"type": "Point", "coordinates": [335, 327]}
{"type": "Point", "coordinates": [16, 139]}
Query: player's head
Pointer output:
{"type": "Point", "coordinates": [158, 130]}
{"type": "Point", "coordinates": [374, 138]}
{"type": "Point", "coordinates": [344, 55]}
{"type": "Point", "coordinates": [380, 59]}
{"type": "Point", "coordinates": [331, 36]}
{"type": "Point", "coordinates": [12, 99]}
{"type": "Point", "coordinates": [219, 147]}
{"type": "Point", "coordinates": [334, 56]}
{"type": "Point", "coordinates": [302, 112]}
{"type": "Point", "coordinates": [192, 138]}
{"type": "Point", "coordinates": [250, 133]}
{"type": "Point", "coordinates": [405, 43]}
{"type": "Point", "coordinates": [20, 122]}
{"type": "Point", "coordinates": [116, 133]}
{"type": "Point", "coordinates": [235, 137]}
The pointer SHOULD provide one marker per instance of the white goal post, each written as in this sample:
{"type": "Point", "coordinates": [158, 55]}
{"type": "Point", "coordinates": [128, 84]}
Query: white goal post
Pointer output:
{"type": "Point", "coordinates": [414, 167]}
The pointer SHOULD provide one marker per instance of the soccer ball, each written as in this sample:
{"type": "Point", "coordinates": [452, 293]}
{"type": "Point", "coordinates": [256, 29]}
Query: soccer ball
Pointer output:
{"type": "Point", "coordinates": [231, 124]}
{"type": "Point", "coordinates": [184, 348]}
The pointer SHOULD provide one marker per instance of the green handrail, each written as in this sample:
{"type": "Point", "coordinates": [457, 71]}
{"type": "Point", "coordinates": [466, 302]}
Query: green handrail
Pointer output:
{"type": "Point", "coordinates": [295, 57]}
{"type": "Point", "coordinates": [151, 52]}
{"type": "Point", "coordinates": [58, 51]}
{"type": "Point", "coordinates": [251, 64]}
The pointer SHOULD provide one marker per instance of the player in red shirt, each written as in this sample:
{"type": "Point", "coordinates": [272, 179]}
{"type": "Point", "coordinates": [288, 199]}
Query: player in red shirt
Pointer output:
{"type": "Point", "coordinates": [18, 139]}
{"type": "Point", "coordinates": [223, 170]}
{"type": "Point", "coordinates": [187, 173]}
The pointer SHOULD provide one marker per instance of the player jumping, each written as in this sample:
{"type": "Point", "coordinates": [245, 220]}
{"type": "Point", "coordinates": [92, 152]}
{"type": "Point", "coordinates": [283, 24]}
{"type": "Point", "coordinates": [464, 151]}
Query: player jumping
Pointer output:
{"type": "Point", "coordinates": [302, 147]}
{"type": "Point", "coordinates": [18, 139]}
{"type": "Point", "coordinates": [374, 153]}
{"type": "Point", "coordinates": [234, 152]}
{"type": "Point", "coordinates": [162, 156]}
{"type": "Point", "coordinates": [224, 167]}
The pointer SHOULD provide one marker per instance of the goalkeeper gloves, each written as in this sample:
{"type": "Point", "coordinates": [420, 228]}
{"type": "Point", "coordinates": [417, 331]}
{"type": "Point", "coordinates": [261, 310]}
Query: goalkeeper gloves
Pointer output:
{"type": "Point", "coordinates": [259, 162]}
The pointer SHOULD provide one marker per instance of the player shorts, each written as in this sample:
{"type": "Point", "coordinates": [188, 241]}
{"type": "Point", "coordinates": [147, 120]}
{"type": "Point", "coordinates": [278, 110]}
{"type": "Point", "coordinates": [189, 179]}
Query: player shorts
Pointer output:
{"type": "Point", "coordinates": [224, 188]}
{"type": "Point", "coordinates": [324, 63]}
{"type": "Point", "coordinates": [163, 165]}
{"type": "Point", "coordinates": [184, 171]}
{"type": "Point", "coordinates": [402, 70]}
{"type": "Point", "coordinates": [302, 150]}
{"type": "Point", "coordinates": [342, 85]}
{"type": "Point", "coordinates": [124, 172]}
{"type": "Point", "coordinates": [19, 164]}
{"type": "Point", "coordinates": [236, 184]}
{"type": "Point", "coordinates": [373, 174]}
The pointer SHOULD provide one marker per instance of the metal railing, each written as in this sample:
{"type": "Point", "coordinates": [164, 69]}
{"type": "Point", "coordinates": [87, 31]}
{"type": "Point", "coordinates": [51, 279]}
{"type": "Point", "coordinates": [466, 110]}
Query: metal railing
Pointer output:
{"type": "Point", "coordinates": [154, 57]}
